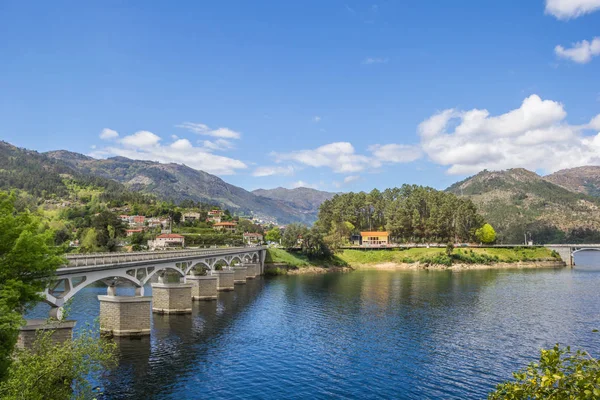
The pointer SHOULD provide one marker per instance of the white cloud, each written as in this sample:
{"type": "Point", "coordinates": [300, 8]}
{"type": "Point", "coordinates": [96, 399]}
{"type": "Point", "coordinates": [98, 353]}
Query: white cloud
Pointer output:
{"type": "Point", "coordinates": [566, 9]}
{"type": "Point", "coordinates": [299, 184]}
{"type": "Point", "coordinates": [217, 145]}
{"type": "Point", "coordinates": [141, 139]}
{"type": "Point", "coordinates": [595, 123]}
{"type": "Point", "coordinates": [273, 170]}
{"type": "Point", "coordinates": [351, 178]}
{"type": "Point", "coordinates": [339, 156]}
{"type": "Point", "coordinates": [395, 153]}
{"type": "Point", "coordinates": [145, 145]}
{"type": "Point", "coordinates": [108, 134]}
{"type": "Point", "coordinates": [316, 118]}
{"type": "Point", "coordinates": [581, 52]}
{"type": "Point", "coordinates": [374, 60]}
{"type": "Point", "coordinates": [202, 129]}
{"type": "Point", "coordinates": [533, 136]}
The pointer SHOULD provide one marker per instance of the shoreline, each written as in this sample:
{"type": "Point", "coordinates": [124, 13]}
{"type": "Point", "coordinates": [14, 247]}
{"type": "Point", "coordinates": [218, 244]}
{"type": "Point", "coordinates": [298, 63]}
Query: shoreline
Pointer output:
{"type": "Point", "coordinates": [417, 266]}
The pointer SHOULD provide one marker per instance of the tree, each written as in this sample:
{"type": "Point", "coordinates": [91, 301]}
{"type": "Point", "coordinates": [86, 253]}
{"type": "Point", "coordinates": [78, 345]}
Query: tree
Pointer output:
{"type": "Point", "coordinates": [89, 241]}
{"type": "Point", "coordinates": [28, 260]}
{"type": "Point", "coordinates": [560, 374]}
{"type": "Point", "coordinates": [273, 235]}
{"type": "Point", "coordinates": [313, 244]}
{"type": "Point", "coordinates": [486, 234]}
{"type": "Point", "coordinates": [57, 371]}
{"type": "Point", "coordinates": [292, 233]}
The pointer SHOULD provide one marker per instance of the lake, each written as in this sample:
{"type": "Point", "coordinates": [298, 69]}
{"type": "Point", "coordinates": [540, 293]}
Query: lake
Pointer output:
{"type": "Point", "coordinates": [365, 334]}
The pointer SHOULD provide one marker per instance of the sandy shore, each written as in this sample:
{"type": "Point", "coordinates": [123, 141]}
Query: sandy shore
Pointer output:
{"type": "Point", "coordinates": [390, 266]}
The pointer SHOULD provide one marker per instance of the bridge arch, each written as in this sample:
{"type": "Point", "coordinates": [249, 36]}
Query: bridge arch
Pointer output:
{"type": "Point", "coordinates": [195, 264]}
{"type": "Point", "coordinates": [585, 249]}
{"type": "Point", "coordinates": [162, 268]}
{"type": "Point", "coordinates": [71, 289]}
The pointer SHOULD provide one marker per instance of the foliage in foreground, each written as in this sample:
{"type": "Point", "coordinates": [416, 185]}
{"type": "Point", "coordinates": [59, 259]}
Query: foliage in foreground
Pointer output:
{"type": "Point", "coordinates": [559, 374]}
{"type": "Point", "coordinates": [28, 260]}
{"type": "Point", "coordinates": [51, 371]}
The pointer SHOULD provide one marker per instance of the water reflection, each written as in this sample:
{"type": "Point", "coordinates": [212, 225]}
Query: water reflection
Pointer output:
{"type": "Point", "coordinates": [388, 334]}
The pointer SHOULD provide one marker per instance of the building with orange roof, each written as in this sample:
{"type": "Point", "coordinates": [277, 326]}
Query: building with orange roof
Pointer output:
{"type": "Point", "coordinates": [225, 226]}
{"type": "Point", "coordinates": [167, 240]}
{"type": "Point", "coordinates": [375, 238]}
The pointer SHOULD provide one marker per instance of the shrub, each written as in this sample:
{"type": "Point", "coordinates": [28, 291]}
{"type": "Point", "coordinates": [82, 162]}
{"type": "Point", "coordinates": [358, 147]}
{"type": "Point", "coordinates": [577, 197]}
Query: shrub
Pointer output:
{"type": "Point", "coordinates": [560, 374]}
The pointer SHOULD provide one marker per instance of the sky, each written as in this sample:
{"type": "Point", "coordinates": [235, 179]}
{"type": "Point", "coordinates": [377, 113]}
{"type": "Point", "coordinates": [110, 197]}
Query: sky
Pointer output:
{"type": "Point", "coordinates": [335, 95]}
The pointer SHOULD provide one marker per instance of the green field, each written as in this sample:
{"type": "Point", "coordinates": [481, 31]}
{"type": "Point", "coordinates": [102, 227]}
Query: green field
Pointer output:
{"type": "Point", "coordinates": [293, 259]}
{"type": "Point", "coordinates": [424, 255]}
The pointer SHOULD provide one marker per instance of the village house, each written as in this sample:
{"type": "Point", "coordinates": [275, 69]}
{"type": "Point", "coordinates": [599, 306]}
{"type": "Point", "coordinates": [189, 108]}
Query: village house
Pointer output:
{"type": "Point", "coordinates": [129, 232]}
{"type": "Point", "coordinates": [375, 239]}
{"type": "Point", "coordinates": [253, 238]}
{"type": "Point", "coordinates": [165, 240]}
{"type": "Point", "coordinates": [215, 216]}
{"type": "Point", "coordinates": [190, 216]}
{"type": "Point", "coordinates": [225, 226]}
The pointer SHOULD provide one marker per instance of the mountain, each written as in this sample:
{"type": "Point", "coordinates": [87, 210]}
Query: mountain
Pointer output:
{"type": "Point", "coordinates": [516, 201]}
{"type": "Point", "coordinates": [305, 200]}
{"type": "Point", "coordinates": [179, 182]}
{"type": "Point", "coordinates": [582, 179]}
{"type": "Point", "coordinates": [40, 175]}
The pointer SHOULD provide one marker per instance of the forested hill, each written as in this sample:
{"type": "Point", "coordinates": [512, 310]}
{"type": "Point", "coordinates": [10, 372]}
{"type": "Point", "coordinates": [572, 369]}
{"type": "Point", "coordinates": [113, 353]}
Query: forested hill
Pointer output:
{"type": "Point", "coordinates": [46, 177]}
{"type": "Point", "coordinates": [517, 201]}
{"type": "Point", "coordinates": [178, 183]}
{"type": "Point", "coordinates": [581, 179]}
{"type": "Point", "coordinates": [410, 213]}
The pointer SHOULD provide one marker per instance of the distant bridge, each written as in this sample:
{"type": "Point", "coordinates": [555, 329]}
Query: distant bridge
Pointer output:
{"type": "Point", "coordinates": [138, 268]}
{"type": "Point", "coordinates": [567, 251]}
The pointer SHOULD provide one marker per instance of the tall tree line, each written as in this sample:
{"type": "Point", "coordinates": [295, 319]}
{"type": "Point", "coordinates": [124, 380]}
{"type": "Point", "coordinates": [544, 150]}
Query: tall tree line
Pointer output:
{"type": "Point", "coordinates": [410, 213]}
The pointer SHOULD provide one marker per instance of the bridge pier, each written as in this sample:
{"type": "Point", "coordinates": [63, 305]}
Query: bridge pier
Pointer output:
{"type": "Point", "coordinates": [62, 331]}
{"type": "Point", "coordinates": [124, 315]}
{"type": "Point", "coordinates": [203, 287]}
{"type": "Point", "coordinates": [239, 275]}
{"type": "Point", "coordinates": [172, 298]}
{"type": "Point", "coordinates": [225, 281]}
{"type": "Point", "coordinates": [251, 270]}
{"type": "Point", "coordinates": [565, 253]}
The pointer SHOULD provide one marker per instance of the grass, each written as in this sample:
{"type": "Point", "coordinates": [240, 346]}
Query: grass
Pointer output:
{"type": "Point", "coordinates": [438, 255]}
{"type": "Point", "coordinates": [299, 260]}
{"type": "Point", "coordinates": [282, 256]}
{"type": "Point", "coordinates": [487, 255]}
{"type": "Point", "coordinates": [276, 271]}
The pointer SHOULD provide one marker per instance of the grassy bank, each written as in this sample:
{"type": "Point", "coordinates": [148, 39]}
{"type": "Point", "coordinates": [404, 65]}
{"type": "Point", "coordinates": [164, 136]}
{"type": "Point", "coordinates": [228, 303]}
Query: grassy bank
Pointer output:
{"type": "Point", "coordinates": [299, 260]}
{"type": "Point", "coordinates": [435, 256]}
{"type": "Point", "coordinates": [438, 256]}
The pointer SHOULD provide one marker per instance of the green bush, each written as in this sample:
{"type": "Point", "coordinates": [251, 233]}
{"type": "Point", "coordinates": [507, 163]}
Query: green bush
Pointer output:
{"type": "Point", "coordinates": [275, 272]}
{"type": "Point", "coordinates": [559, 374]}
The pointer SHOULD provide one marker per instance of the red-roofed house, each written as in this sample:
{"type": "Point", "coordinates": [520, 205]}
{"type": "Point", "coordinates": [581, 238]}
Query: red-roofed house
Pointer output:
{"type": "Point", "coordinates": [130, 232]}
{"type": "Point", "coordinates": [167, 240]}
{"type": "Point", "coordinates": [225, 226]}
{"type": "Point", "coordinates": [252, 238]}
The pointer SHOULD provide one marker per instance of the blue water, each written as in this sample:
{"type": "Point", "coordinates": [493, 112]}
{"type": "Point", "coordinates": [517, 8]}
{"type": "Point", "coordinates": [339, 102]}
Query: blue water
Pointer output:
{"type": "Point", "coordinates": [373, 334]}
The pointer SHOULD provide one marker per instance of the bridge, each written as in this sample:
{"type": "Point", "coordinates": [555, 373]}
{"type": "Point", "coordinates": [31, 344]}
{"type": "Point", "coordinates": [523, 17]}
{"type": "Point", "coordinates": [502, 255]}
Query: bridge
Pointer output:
{"type": "Point", "coordinates": [201, 274]}
{"type": "Point", "coordinates": [567, 251]}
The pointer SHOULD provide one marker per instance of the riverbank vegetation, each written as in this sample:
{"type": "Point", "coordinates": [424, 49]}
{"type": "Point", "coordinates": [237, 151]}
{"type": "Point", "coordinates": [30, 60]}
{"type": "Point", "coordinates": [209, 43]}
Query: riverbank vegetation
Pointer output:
{"type": "Point", "coordinates": [422, 255]}
{"type": "Point", "coordinates": [559, 374]}
{"type": "Point", "coordinates": [28, 260]}
{"type": "Point", "coordinates": [411, 213]}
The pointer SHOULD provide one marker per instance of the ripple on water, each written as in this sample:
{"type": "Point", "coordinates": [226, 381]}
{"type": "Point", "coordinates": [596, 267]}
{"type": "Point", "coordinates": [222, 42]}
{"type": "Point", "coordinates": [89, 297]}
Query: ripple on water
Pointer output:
{"type": "Point", "coordinates": [389, 334]}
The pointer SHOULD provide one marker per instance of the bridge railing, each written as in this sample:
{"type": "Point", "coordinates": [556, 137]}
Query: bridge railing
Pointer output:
{"type": "Point", "coordinates": [92, 259]}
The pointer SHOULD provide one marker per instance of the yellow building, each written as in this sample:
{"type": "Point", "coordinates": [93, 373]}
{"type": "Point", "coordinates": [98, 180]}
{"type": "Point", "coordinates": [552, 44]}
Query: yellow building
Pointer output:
{"type": "Point", "coordinates": [375, 238]}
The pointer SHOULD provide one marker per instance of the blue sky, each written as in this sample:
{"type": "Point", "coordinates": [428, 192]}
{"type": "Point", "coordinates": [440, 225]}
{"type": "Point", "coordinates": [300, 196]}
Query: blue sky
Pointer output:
{"type": "Point", "coordinates": [338, 95]}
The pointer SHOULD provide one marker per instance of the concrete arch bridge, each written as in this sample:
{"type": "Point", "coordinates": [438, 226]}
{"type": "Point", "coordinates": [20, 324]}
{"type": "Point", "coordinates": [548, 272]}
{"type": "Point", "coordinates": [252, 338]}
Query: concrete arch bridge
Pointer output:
{"type": "Point", "coordinates": [139, 268]}
{"type": "Point", "coordinates": [567, 251]}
